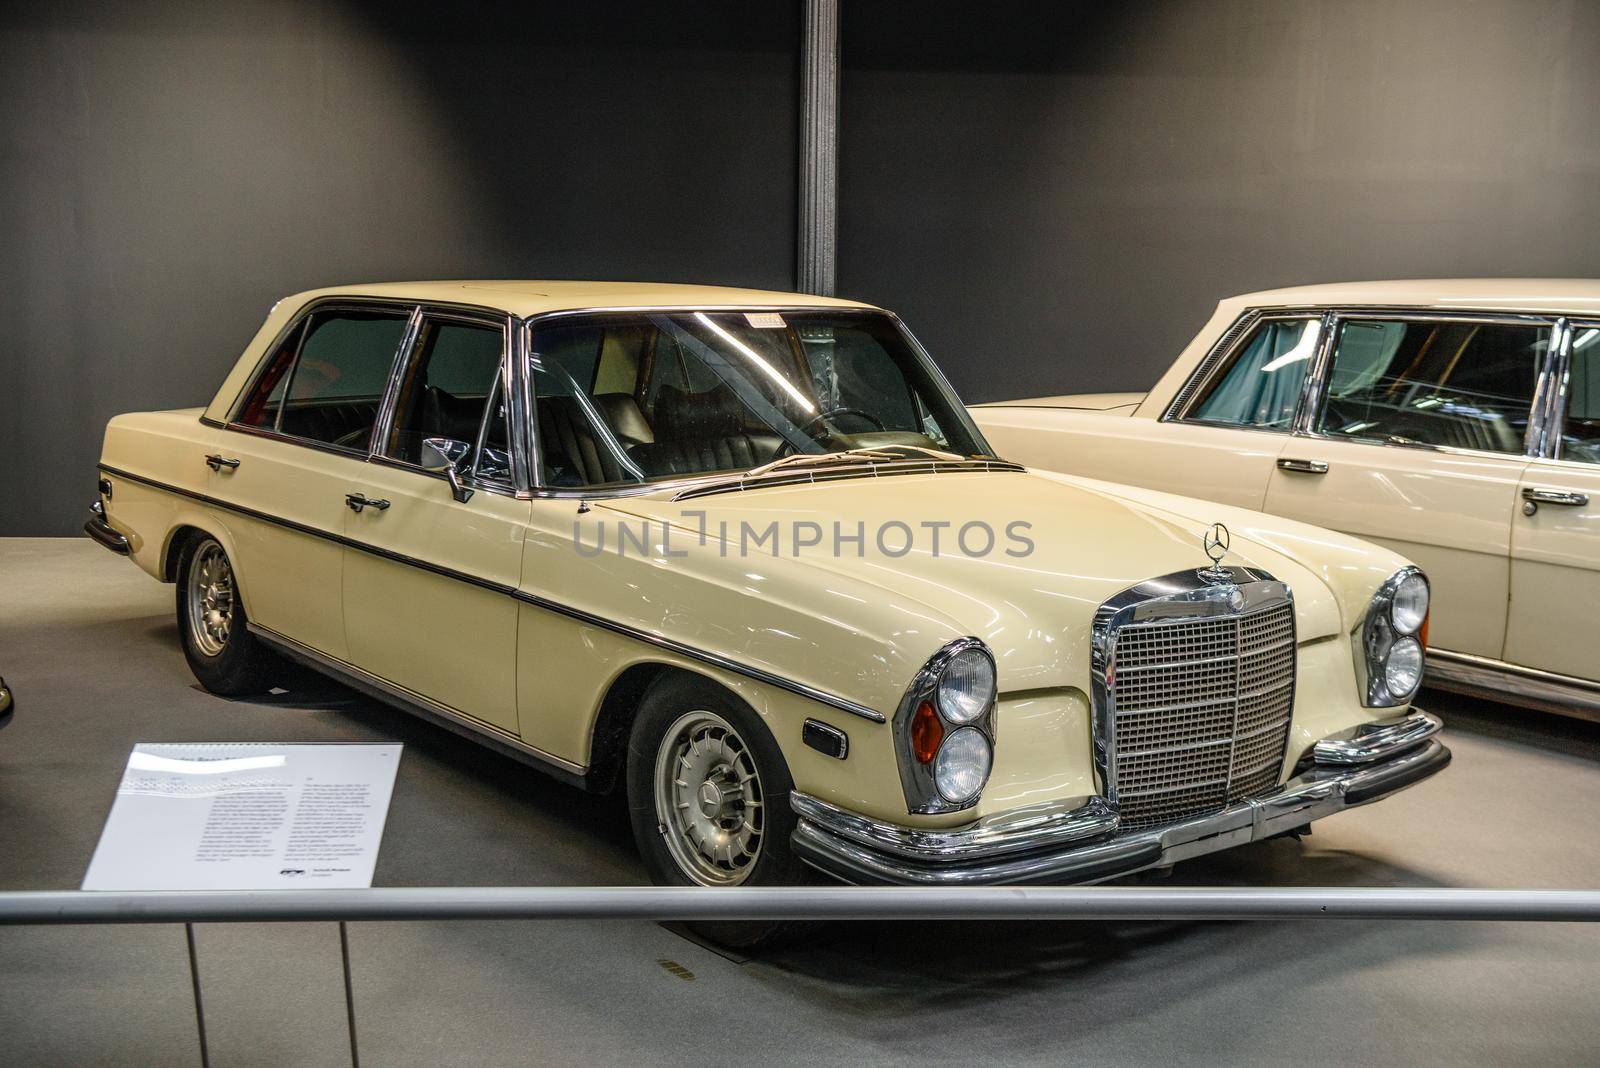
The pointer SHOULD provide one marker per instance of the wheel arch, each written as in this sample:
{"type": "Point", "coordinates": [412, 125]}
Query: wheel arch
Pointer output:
{"type": "Point", "coordinates": [608, 739]}
{"type": "Point", "coordinates": [184, 534]}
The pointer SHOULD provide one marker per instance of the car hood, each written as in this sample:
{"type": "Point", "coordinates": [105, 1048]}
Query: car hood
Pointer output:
{"type": "Point", "coordinates": [1062, 547]}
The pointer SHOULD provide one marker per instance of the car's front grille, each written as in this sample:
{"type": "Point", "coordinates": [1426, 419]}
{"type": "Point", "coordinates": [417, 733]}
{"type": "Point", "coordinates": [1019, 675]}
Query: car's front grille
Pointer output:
{"type": "Point", "coordinates": [1197, 707]}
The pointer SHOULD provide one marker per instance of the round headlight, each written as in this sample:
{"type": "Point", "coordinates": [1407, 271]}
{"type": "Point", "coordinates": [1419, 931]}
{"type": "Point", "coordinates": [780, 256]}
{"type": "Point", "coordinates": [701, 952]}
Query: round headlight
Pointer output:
{"type": "Point", "coordinates": [1410, 605]}
{"type": "Point", "coordinates": [962, 766]}
{"type": "Point", "coordinates": [966, 686]}
{"type": "Point", "coordinates": [1402, 670]}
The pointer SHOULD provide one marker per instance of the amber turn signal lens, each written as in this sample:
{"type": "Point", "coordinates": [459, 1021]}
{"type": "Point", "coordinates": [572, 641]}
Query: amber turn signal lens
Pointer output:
{"type": "Point", "coordinates": [1422, 631]}
{"type": "Point", "coordinates": [926, 733]}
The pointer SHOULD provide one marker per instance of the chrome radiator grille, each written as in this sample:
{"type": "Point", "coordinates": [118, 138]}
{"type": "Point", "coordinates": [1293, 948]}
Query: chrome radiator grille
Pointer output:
{"type": "Point", "coordinates": [1196, 693]}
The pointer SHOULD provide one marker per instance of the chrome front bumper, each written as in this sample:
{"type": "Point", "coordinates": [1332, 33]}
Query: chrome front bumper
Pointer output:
{"type": "Point", "coordinates": [1049, 843]}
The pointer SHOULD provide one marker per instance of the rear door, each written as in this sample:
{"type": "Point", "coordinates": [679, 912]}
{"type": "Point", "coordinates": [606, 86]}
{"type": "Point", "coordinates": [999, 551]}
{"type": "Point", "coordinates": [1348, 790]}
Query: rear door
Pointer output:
{"type": "Point", "coordinates": [1555, 535]}
{"type": "Point", "coordinates": [296, 445]}
{"type": "Point", "coordinates": [1418, 444]}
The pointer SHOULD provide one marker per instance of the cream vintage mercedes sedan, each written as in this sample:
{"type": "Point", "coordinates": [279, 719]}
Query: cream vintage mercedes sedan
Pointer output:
{"type": "Point", "coordinates": [1457, 422]}
{"type": "Point", "coordinates": [745, 554]}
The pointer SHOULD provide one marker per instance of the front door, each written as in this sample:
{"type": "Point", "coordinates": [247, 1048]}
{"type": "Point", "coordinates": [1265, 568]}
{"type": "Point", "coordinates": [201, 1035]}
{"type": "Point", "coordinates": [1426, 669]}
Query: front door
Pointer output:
{"type": "Point", "coordinates": [1228, 433]}
{"type": "Point", "coordinates": [427, 582]}
{"type": "Point", "coordinates": [1555, 539]}
{"type": "Point", "coordinates": [1418, 445]}
{"type": "Point", "coordinates": [294, 448]}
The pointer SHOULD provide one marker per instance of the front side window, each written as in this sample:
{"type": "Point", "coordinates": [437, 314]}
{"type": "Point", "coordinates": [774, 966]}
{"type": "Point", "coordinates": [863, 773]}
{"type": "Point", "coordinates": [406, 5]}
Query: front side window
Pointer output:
{"type": "Point", "coordinates": [326, 381]}
{"type": "Point", "coordinates": [1460, 384]}
{"type": "Point", "coordinates": [449, 382]}
{"type": "Point", "coordinates": [1580, 435]}
{"type": "Point", "coordinates": [1260, 387]}
{"type": "Point", "coordinates": [639, 397]}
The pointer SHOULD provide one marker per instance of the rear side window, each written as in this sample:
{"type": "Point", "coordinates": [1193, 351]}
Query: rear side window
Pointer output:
{"type": "Point", "coordinates": [1260, 386]}
{"type": "Point", "coordinates": [264, 403]}
{"type": "Point", "coordinates": [327, 379]}
{"type": "Point", "coordinates": [1461, 384]}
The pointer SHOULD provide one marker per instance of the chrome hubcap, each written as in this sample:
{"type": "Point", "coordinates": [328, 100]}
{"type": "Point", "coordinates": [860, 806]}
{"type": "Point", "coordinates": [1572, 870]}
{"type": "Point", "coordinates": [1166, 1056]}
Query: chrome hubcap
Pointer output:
{"type": "Point", "coordinates": [708, 800]}
{"type": "Point", "coordinates": [210, 599]}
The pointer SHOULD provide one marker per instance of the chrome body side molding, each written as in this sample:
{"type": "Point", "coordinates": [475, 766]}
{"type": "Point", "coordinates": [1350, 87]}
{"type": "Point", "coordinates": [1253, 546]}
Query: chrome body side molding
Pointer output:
{"type": "Point", "coordinates": [1481, 676]}
{"type": "Point", "coordinates": [659, 641]}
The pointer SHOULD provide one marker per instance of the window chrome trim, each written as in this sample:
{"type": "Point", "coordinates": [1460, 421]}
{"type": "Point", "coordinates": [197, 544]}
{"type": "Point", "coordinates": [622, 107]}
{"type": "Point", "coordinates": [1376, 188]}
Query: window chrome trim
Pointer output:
{"type": "Point", "coordinates": [1559, 394]}
{"type": "Point", "coordinates": [1314, 392]}
{"type": "Point", "coordinates": [391, 389]}
{"type": "Point", "coordinates": [501, 321]}
{"type": "Point", "coordinates": [1220, 359]}
{"type": "Point", "coordinates": [527, 324]}
{"type": "Point", "coordinates": [659, 641]}
{"type": "Point", "coordinates": [1339, 316]}
{"type": "Point", "coordinates": [331, 302]}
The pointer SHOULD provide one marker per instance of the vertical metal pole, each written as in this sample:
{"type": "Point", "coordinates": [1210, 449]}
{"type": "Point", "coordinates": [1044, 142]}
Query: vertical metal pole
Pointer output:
{"type": "Point", "coordinates": [349, 995]}
{"type": "Point", "coordinates": [819, 148]}
{"type": "Point", "coordinates": [199, 1008]}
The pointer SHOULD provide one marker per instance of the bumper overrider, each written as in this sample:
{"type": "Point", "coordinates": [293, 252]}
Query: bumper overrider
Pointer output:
{"type": "Point", "coordinates": [1054, 844]}
{"type": "Point", "coordinates": [103, 532]}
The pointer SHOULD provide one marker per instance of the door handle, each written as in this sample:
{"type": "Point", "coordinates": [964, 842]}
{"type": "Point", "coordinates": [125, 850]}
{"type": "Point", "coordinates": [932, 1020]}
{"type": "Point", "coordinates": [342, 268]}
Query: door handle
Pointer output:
{"type": "Point", "coordinates": [355, 502]}
{"type": "Point", "coordinates": [1304, 467]}
{"type": "Point", "coordinates": [217, 463]}
{"type": "Point", "coordinates": [1533, 497]}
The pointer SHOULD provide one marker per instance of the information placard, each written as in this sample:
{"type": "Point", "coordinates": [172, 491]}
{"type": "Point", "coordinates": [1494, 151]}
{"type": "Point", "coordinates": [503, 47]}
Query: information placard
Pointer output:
{"type": "Point", "coordinates": [246, 816]}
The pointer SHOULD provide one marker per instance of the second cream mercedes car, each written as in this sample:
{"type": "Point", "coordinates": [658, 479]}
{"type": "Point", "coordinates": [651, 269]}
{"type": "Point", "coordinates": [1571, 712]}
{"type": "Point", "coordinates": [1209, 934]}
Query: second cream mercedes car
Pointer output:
{"type": "Point", "coordinates": [745, 556]}
{"type": "Point", "coordinates": [1455, 421]}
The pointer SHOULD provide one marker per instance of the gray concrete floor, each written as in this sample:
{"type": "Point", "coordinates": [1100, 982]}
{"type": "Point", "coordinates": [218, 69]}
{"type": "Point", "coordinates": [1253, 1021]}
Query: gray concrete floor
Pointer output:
{"type": "Point", "coordinates": [90, 645]}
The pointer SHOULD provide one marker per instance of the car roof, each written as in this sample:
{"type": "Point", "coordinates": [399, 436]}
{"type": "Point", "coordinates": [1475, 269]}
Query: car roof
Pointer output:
{"type": "Point", "coordinates": [535, 297]}
{"type": "Point", "coordinates": [1572, 296]}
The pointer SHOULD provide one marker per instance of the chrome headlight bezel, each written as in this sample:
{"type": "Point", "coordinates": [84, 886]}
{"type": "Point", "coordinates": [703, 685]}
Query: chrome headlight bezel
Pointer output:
{"type": "Point", "coordinates": [919, 778]}
{"type": "Point", "coordinates": [1380, 632]}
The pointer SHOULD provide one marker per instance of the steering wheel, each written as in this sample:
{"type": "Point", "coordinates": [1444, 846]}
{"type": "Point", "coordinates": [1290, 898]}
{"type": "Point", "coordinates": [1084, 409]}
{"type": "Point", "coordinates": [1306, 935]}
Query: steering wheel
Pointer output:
{"type": "Point", "coordinates": [831, 412]}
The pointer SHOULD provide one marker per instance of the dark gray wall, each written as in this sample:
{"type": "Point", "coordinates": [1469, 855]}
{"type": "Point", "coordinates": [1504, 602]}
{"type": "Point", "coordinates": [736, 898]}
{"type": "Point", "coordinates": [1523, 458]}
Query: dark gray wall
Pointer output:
{"type": "Point", "coordinates": [167, 171]}
{"type": "Point", "coordinates": [1056, 195]}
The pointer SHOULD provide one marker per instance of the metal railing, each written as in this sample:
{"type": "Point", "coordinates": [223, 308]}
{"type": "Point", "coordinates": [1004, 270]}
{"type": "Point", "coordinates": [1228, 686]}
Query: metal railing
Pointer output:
{"type": "Point", "coordinates": [776, 903]}
{"type": "Point", "coordinates": [799, 903]}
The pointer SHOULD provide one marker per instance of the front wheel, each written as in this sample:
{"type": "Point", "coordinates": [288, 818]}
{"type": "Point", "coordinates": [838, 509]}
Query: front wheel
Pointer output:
{"type": "Point", "coordinates": [222, 653]}
{"type": "Point", "coordinates": [708, 793]}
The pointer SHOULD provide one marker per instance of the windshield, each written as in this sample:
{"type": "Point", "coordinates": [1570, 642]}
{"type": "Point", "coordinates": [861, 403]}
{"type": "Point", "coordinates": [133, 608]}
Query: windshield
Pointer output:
{"type": "Point", "coordinates": [636, 397]}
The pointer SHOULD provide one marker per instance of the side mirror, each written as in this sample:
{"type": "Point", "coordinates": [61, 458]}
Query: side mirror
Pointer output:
{"type": "Point", "coordinates": [445, 456]}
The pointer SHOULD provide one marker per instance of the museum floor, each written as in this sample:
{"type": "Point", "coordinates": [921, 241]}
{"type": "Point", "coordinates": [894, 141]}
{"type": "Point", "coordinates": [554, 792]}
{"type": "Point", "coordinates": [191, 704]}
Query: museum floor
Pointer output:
{"type": "Point", "coordinates": [90, 646]}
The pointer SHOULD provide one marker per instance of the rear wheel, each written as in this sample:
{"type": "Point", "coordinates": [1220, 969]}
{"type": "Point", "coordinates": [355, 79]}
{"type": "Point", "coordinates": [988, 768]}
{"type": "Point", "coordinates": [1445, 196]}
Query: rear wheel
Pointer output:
{"type": "Point", "coordinates": [708, 793]}
{"type": "Point", "coordinates": [222, 653]}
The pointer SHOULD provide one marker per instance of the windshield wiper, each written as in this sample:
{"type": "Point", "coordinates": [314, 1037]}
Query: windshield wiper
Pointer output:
{"type": "Point", "coordinates": [872, 455]}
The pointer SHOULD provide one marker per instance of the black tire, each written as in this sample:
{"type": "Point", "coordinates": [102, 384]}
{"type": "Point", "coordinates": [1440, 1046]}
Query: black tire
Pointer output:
{"type": "Point", "coordinates": [668, 700]}
{"type": "Point", "coordinates": [242, 665]}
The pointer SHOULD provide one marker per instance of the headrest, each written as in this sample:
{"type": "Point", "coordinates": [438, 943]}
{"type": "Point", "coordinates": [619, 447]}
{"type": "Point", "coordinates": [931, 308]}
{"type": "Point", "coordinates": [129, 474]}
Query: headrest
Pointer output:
{"type": "Point", "coordinates": [684, 416]}
{"type": "Point", "coordinates": [445, 415]}
{"type": "Point", "coordinates": [626, 420]}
